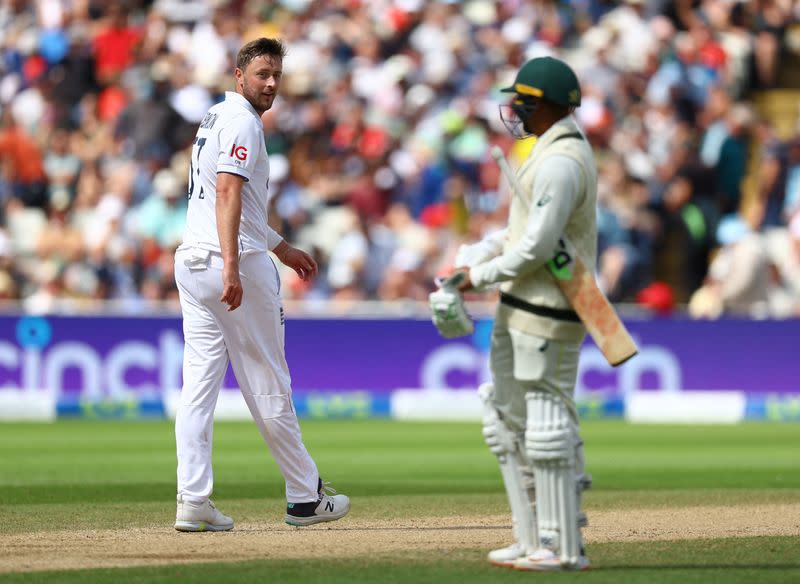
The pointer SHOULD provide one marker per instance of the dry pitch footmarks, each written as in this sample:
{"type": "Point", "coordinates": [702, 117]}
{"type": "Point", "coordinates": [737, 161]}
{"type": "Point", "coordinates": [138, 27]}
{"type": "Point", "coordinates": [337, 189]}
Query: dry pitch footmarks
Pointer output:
{"type": "Point", "coordinates": [80, 549]}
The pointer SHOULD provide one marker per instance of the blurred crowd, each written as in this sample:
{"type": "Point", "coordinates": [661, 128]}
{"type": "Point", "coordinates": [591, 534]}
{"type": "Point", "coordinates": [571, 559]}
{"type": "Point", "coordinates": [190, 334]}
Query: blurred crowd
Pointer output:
{"type": "Point", "coordinates": [379, 143]}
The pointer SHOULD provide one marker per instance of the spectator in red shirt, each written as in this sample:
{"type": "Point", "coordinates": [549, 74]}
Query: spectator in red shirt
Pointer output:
{"type": "Point", "coordinates": [21, 164]}
{"type": "Point", "coordinates": [709, 49]}
{"type": "Point", "coordinates": [114, 46]}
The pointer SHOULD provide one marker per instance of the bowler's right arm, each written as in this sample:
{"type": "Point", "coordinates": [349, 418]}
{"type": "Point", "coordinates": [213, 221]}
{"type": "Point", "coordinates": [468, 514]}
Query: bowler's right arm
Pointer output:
{"type": "Point", "coordinates": [229, 214]}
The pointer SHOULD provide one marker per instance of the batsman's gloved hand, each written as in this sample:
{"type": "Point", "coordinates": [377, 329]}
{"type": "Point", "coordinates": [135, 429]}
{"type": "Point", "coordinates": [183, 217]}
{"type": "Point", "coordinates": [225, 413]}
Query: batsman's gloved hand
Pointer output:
{"type": "Point", "coordinates": [472, 254]}
{"type": "Point", "coordinates": [447, 309]}
{"type": "Point", "coordinates": [469, 255]}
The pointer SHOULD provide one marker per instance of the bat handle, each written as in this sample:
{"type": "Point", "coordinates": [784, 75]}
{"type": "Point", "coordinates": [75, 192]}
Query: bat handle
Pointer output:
{"type": "Point", "coordinates": [497, 153]}
{"type": "Point", "coordinates": [500, 158]}
{"type": "Point", "coordinates": [451, 281]}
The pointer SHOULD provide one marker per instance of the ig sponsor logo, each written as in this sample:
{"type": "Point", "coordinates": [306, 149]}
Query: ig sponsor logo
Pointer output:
{"type": "Point", "coordinates": [240, 152]}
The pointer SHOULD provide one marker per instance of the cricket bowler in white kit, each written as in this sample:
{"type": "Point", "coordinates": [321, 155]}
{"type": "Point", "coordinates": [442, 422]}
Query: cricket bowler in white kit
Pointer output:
{"type": "Point", "coordinates": [530, 419]}
{"type": "Point", "coordinates": [229, 292]}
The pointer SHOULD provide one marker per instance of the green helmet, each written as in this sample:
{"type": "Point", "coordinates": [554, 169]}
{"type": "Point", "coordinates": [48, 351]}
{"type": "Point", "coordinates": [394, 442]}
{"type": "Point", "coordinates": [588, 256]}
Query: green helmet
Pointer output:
{"type": "Point", "coordinates": [550, 79]}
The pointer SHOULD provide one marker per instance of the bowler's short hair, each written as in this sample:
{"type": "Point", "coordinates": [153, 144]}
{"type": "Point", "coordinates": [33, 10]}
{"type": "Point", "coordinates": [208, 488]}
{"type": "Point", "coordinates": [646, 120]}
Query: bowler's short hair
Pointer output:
{"type": "Point", "coordinates": [258, 47]}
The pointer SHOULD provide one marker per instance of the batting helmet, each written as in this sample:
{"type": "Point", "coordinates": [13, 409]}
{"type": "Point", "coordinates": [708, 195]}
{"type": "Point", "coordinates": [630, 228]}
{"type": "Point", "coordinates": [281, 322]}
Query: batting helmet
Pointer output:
{"type": "Point", "coordinates": [547, 78]}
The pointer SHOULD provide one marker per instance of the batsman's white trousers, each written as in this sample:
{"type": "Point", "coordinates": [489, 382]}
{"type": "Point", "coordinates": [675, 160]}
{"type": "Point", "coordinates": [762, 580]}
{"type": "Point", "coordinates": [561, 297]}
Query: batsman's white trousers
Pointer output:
{"type": "Point", "coordinates": [521, 363]}
{"type": "Point", "coordinates": [252, 338]}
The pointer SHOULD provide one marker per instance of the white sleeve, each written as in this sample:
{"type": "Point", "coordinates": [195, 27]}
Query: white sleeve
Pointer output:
{"type": "Point", "coordinates": [557, 192]}
{"type": "Point", "coordinates": [274, 239]}
{"type": "Point", "coordinates": [239, 146]}
{"type": "Point", "coordinates": [469, 255]}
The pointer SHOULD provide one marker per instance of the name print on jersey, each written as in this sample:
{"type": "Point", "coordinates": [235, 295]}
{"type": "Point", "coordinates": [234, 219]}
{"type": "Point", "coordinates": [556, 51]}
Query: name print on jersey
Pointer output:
{"type": "Point", "coordinates": [194, 163]}
{"type": "Point", "coordinates": [239, 152]}
{"type": "Point", "coordinates": [208, 121]}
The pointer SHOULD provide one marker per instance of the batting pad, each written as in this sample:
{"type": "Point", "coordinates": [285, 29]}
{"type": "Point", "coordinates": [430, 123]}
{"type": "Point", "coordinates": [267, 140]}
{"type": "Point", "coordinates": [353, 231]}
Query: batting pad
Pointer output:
{"type": "Point", "coordinates": [516, 471]}
{"type": "Point", "coordinates": [550, 441]}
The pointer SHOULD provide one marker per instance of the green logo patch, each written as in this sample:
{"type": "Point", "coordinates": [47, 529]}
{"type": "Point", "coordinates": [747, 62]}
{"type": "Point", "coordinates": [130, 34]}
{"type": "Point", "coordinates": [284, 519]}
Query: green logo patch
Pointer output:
{"type": "Point", "coordinates": [562, 272]}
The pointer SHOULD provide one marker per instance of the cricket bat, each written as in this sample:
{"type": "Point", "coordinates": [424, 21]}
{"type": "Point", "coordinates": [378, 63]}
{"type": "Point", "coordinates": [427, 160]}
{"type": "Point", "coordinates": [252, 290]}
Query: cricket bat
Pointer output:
{"type": "Point", "coordinates": [578, 285]}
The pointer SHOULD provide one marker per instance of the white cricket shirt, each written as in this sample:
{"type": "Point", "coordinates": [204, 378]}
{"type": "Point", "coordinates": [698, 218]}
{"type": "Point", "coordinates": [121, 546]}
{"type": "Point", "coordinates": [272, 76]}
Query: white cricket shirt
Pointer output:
{"type": "Point", "coordinates": [557, 196]}
{"type": "Point", "coordinates": [230, 139]}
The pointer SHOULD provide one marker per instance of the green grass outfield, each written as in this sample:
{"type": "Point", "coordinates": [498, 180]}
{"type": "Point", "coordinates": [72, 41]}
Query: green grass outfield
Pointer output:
{"type": "Point", "coordinates": [93, 475]}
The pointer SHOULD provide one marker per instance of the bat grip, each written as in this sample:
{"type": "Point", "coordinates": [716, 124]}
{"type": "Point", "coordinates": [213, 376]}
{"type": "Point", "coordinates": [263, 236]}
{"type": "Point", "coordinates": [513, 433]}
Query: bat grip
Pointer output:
{"type": "Point", "coordinates": [451, 281]}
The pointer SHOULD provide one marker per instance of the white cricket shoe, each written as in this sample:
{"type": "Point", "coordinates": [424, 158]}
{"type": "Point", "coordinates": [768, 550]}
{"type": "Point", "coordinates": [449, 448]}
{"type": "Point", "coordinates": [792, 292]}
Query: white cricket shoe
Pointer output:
{"type": "Point", "coordinates": [200, 517]}
{"type": "Point", "coordinates": [506, 557]}
{"type": "Point", "coordinates": [329, 507]}
{"type": "Point", "coordinates": [544, 560]}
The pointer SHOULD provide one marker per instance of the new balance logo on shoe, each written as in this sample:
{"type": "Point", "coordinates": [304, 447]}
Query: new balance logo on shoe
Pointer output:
{"type": "Point", "coordinates": [329, 507]}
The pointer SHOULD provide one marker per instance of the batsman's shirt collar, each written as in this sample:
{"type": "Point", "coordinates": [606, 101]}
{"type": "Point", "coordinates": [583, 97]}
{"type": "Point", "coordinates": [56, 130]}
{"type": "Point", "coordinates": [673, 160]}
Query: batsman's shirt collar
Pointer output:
{"type": "Point", "coordinates": [237, 98]}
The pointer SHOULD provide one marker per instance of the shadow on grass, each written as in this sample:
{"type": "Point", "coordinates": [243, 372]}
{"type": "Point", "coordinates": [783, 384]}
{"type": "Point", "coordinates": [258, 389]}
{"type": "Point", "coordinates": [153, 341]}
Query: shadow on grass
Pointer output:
{"type": "Point", "coordinates": [692, 566]}
{"type": "Point", "coordinates": [132, 492]}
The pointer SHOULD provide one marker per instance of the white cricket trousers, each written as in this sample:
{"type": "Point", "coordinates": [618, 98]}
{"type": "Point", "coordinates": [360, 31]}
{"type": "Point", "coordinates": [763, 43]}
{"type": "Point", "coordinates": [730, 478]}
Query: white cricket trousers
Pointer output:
{"type": "Point", "coordinates": [252, 339]}
{"type": "Point", "coordinates": [521, 363]}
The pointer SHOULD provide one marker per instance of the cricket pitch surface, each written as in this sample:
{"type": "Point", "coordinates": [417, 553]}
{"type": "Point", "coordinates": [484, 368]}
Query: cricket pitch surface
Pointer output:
{"type": "Point", "coordinates": [65, 549]}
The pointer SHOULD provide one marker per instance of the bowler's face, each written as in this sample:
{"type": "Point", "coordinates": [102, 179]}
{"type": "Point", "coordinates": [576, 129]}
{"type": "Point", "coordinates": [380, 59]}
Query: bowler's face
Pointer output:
{"type": "Point", "coordinates": [260, 80]}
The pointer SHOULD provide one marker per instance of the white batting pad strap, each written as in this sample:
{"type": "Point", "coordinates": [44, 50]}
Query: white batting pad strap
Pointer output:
{"type": "Point", "coordinates": [549, 435]}
{"type": "Point", "coordinates": [549, 445]}
{"type": "Point", "coordinates": [550, 440]}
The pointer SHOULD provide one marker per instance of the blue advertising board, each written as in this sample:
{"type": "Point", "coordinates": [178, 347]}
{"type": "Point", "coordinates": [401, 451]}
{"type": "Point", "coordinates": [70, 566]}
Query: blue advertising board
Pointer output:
{"type": "Point", "coordinates": [111, 365]}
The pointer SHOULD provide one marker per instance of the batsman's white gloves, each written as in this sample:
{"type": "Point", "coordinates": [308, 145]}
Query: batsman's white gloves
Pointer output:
{"type": "Point", "coordinates": [447, 309]}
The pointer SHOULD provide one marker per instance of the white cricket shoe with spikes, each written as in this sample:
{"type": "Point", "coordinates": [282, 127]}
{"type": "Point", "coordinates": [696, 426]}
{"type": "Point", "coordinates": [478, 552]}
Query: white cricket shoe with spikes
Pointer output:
{"type": "Point", "coordinates": [200, 517]}
{"type": "Point", "coordinates": [507, 556]}
{"type": "Point", "coordinates": [544, 560]}
{"type": "Point", "coordinates": [329, 507]}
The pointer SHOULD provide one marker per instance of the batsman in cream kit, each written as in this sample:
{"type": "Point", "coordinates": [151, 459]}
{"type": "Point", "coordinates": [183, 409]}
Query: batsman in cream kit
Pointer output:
{"type": "Point", "coordinates": [230, 300]}
{"type": "Point", "coordinates": [543, 264]}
